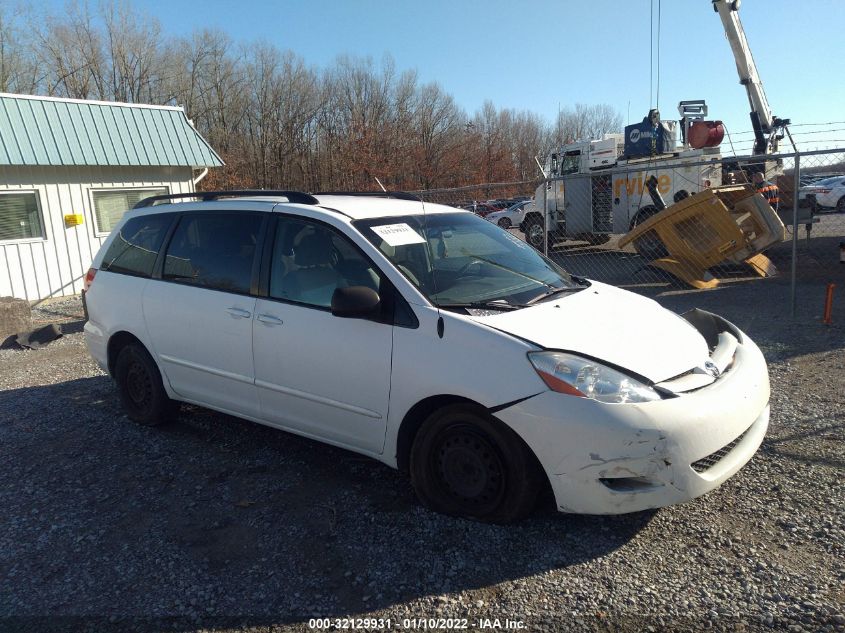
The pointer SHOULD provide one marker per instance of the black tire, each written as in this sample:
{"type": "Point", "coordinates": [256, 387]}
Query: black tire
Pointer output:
{"type": "Point", "coordinates": [535, 232]}
{"type": "Point", "coordinates": [681, 195]}
{"type": "Point", "coordinates": [644, 214]}
{"type": "Point", "coordinates": [505, 223]}
{"type": "Point", "coordinates": [141, 390]}
{"type": "Point", "coordinates": [466, 463]}
{"type": "Point", "coordinates": [840, 205]}
{"type": "Point", "coordinates": [649, 245]}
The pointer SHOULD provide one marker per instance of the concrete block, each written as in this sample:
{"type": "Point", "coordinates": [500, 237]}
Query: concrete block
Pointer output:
{"type": "Point", "coordinates": [15, 316]}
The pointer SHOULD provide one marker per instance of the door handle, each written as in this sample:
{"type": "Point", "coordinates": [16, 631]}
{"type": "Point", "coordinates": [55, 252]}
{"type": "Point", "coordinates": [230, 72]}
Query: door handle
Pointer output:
{"type": "Point", "coordinates": [238, 312]}
{"type": "Point", "coordinates": [269, 319]}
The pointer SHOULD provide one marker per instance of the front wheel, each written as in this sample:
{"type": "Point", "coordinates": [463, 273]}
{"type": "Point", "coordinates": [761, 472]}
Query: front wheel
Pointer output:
{"type": "Point", "coordinates": [141, 389]}
{"type": "Point", "coordinates": [466, 463]}
{"type": "Point", "coordinates": [535, 232]}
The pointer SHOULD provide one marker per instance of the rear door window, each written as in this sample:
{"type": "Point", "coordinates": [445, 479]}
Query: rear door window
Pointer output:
{"type": "Point", "coordinates": [214, 250]}
{"type": "Point", "coordinates": [134, 249]}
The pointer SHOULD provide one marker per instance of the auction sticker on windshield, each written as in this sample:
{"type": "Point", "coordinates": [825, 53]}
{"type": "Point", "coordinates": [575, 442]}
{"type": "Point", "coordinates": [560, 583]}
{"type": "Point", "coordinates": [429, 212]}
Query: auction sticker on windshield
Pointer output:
{"type": "Point", "coordinates": [398, 234]}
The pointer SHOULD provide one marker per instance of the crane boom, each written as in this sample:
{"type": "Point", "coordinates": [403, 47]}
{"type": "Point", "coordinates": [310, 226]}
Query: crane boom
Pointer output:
{"type": "Point", "coordinates": [761, 115]}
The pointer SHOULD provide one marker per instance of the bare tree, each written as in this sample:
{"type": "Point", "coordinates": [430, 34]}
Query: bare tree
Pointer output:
{"type": "Point", "coordinates": [299, 100]}
{"type": "Point", "coordinates": [587, 122]}
{"type": "Point", "coordinates": [528, 137]}
{"type": "Point", "coordinates": [17, 64]}
{"type": "Point", "coordinates": [438, 123]}
{"type": "Point", "coordinates": [69, 49]}
{"type": "Point", "coordinates": [132, 46]}
{"type": "Point", "coordinates": [277, 121]}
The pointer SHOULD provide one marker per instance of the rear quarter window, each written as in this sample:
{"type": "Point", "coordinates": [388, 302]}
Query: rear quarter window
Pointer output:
{"type": "Point", "coordinates": [134, 249]}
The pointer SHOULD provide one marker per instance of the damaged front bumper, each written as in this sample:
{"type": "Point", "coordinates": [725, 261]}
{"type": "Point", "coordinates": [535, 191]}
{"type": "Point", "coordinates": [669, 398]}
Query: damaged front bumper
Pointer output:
{"type": "Point", "coordinates": [616, 458]}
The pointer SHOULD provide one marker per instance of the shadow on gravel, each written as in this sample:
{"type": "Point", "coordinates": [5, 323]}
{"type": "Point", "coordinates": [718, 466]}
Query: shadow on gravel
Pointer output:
{"type": "Point", "coordinates": [830, 433]}
{"type": "Point", "coordinates": [72, 327]}
{"type": "Point", "coordinates": [67, 327]}
{"type": "Point", "coordinates": [212, 517]}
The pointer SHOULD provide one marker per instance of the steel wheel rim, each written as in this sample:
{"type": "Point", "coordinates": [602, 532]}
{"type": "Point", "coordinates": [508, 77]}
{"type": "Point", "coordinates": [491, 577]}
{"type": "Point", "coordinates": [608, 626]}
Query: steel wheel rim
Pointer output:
{"type": "Point", "coordinates": [139, 385]}
{"type": "Point", "coordinates": [535, 234]}
{"type": "Point", "coordinates": [468, 468]}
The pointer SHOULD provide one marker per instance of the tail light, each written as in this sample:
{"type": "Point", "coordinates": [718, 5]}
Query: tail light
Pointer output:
{"type": "Point", "coordinates": [823, 191]}
{"type": "Point", "coordinates": [89, 279]}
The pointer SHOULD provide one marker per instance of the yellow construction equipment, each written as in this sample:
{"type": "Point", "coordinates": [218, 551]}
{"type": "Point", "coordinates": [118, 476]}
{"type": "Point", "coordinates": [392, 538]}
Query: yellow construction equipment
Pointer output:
{"type": "Point", "coordinates": [731, 223]}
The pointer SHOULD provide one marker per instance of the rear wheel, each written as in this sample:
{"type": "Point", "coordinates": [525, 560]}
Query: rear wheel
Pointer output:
{"type": "Point", "coordinates": [141, 389]}
{"type": "Point", "coordinates": [840, 205]}
{"type": "Point", "coordinates": [505, 223]}
{"type": "Point", "coordinates": [466, 463]}
{"type": "Point", "coordinates": [648, 245]}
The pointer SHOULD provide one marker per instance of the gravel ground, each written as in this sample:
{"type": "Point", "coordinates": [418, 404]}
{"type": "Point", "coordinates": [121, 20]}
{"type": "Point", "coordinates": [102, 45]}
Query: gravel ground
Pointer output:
{"type": "Point", "coordinates": [213, 523]}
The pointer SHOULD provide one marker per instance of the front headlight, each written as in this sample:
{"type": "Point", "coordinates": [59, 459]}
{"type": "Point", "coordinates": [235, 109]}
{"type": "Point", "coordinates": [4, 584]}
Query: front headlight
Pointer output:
{"type": "Point", "coordinates": [576, 376]}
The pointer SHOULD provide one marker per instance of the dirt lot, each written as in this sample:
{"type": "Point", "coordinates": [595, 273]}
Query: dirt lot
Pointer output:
{"type": "Point", "coordinates": [218, 524]}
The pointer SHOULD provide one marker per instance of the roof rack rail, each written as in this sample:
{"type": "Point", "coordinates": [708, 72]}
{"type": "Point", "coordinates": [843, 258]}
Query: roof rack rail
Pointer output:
{"type": "Point", "coordinates": [293, 196]}
{"type": "Point", "coordinates": [399, 195]}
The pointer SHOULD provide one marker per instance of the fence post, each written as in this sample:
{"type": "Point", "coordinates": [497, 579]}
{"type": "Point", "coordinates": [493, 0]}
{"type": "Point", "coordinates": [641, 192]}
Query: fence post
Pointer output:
{"type": "Point", "coordinates": [796, 186]}
{"type": "Point", "coordinates": [545, 218]}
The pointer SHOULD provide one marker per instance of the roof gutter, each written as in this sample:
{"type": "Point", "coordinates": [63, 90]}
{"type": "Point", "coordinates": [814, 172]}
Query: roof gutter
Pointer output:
{"type": "Point", "coordinates": [202, 175]}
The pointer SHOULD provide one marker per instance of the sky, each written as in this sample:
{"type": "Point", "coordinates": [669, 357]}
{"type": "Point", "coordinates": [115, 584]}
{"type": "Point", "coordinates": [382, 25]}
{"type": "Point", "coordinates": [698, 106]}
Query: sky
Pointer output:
{"type": "Point", "coordinates": [543, 55]}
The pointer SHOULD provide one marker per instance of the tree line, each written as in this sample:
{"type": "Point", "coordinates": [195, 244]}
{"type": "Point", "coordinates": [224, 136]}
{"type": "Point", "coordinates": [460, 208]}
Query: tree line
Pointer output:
{"type": "Point", "coordinates": [277, 121]}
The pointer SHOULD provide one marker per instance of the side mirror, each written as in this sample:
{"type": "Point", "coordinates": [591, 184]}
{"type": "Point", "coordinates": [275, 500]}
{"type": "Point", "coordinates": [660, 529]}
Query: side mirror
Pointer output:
{"type": "Point", "coordinates": [355, 302]}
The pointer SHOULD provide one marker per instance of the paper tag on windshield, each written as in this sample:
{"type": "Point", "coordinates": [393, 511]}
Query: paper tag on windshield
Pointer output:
{"type": "Point", "coordinates": [398, 234]}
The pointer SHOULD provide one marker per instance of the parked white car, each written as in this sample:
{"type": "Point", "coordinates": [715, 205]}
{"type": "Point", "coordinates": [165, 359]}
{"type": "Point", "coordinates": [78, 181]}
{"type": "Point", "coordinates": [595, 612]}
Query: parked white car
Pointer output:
{"type": "Point", "coordinates": [512, 216]}
{"type": "Point", "coordinates": [829, 193]}
{"type": "Point", "coordinates": [363, 322]}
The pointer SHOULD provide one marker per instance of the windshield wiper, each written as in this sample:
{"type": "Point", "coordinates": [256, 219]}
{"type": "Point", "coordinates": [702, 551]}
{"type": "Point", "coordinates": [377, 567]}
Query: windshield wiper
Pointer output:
{"type": "Point", "coordinates": [495, 304]}
{"type": "Point", "coordinates": [551, 293]}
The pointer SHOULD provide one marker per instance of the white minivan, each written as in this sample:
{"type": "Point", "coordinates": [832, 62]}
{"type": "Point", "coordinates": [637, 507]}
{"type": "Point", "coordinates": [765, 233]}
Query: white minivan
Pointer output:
{"type": "Point", "coordinates": [427, 338]}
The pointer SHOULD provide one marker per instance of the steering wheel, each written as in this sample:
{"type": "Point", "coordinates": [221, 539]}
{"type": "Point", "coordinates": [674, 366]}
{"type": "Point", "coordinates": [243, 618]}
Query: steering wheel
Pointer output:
{"type": "Point", "coordinates": [466, 266]}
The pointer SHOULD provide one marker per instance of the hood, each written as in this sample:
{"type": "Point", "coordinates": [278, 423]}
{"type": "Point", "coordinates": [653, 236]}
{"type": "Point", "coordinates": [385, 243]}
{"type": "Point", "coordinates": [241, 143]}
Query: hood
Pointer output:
{"type": "Point", "coordinates": [611, 325]}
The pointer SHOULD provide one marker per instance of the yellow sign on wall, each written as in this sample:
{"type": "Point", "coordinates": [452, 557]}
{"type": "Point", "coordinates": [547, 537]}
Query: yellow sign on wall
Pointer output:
{"type": "Point", "coordinates": [73, 219]}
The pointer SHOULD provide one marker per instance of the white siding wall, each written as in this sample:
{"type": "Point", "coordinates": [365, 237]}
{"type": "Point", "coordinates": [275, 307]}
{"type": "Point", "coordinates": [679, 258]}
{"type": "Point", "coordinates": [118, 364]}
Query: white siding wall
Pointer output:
{"type": "Point", "coordinates": [55, 266]}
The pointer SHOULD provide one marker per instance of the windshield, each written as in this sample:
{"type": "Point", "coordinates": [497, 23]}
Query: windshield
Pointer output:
{"type": "Point", "coordinates": [461, 260]}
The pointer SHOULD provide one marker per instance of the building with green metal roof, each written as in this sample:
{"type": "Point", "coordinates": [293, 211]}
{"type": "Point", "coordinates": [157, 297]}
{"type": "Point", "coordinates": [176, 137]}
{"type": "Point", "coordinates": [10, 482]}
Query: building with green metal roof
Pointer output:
{"type": "Point", "coordinates": [69, 169]}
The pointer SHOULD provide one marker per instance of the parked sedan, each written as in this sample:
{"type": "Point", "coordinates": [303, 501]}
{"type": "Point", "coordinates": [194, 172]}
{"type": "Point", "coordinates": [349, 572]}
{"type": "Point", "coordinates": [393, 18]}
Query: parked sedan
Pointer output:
{"type": "Point", "coordinates": [512, 216]}
{"type": "Point", "coordinates": [829, 193]}
{"type": "Point", "coordinates": [481, 209]}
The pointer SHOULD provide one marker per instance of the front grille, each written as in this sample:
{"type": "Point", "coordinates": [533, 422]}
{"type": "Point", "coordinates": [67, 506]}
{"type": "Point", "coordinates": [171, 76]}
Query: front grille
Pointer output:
{"type": "Point", "coordinates": [706, 463]}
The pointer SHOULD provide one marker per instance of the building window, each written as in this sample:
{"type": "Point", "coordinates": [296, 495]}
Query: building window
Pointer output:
{"type": "Point", "coordinates": [20, 218]}
{"type": "Point", "coordinates": [111, 204]}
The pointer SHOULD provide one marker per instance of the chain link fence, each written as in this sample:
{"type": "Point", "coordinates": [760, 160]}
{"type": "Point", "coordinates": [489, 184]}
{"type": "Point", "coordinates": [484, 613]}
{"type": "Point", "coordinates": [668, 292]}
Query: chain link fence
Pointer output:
{"type": "Point", "coordinates": [484, 198]}
{"type": "Point", "coordinates": [681, 221]}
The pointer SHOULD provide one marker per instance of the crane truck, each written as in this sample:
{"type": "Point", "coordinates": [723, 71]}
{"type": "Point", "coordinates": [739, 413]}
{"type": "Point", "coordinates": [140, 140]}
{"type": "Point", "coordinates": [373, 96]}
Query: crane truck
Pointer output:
{"type": "Point", "coordinates": [596, 188]}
